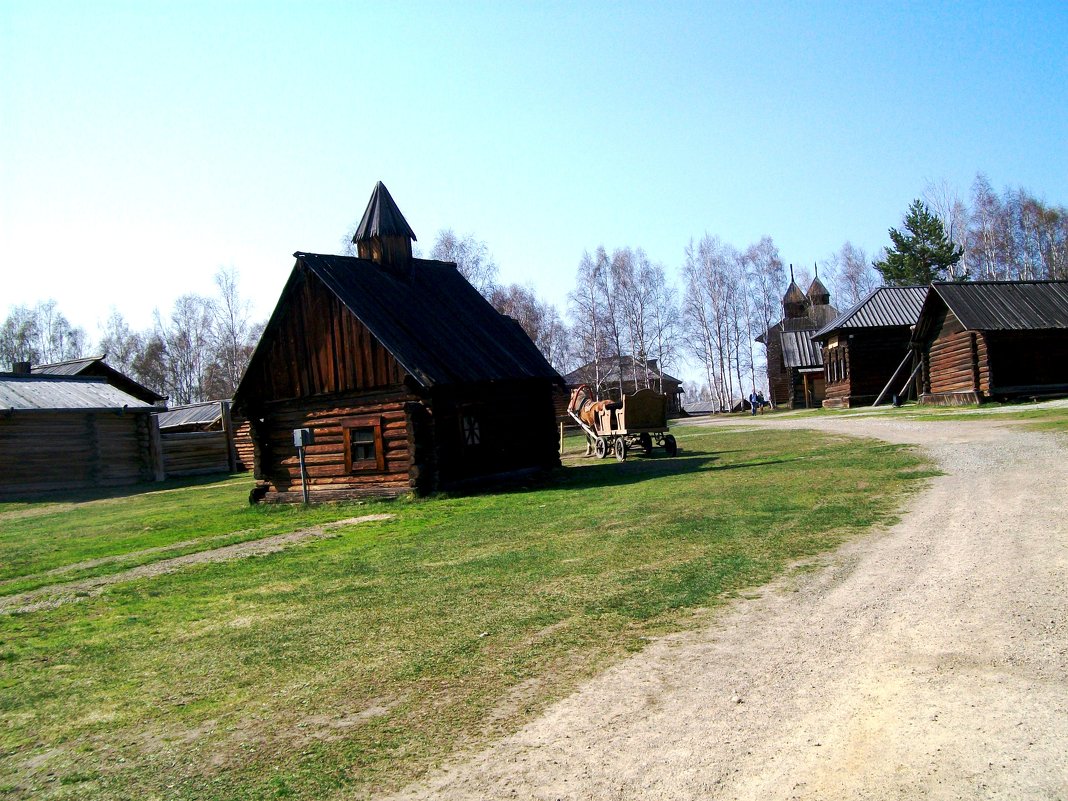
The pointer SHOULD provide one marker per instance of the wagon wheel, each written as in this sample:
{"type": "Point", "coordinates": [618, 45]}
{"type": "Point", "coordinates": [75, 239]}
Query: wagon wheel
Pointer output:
{"type": "Point", "coordinates": [621, 449]}
{"type": "Point", "coordinates": [601, 447]}
{"type": "Point", "coordinates": [646, 443]}
{"type": "Point", "coordinates": [670, 445]}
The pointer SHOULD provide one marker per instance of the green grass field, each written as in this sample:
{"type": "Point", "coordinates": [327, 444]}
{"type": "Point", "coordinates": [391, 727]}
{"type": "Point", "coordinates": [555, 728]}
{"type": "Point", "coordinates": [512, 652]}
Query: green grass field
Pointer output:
{"type": "Point", "coordinates": [345, 666]}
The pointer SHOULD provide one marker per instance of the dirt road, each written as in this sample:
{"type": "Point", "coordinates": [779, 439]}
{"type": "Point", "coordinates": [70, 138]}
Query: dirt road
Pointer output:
{"type": "Point", "coordinates": [927, 661]}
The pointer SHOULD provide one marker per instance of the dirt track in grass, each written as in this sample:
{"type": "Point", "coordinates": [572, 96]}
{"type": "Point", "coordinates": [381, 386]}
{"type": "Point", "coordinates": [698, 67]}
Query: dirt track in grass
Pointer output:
{"type": "Point", "coordinates": [57, 594]}
{"type": "Point", "coordinates": [927, 660]}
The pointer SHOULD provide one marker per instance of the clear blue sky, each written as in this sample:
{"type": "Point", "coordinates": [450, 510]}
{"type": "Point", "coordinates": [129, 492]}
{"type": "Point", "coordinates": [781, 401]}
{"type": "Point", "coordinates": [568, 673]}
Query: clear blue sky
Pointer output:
{"type": "Point", "coordinates": [143, 145]}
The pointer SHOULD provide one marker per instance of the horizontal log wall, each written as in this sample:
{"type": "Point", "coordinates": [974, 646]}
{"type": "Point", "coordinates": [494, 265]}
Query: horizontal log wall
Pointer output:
{"type": "Point", "coordinates": [192, 453]}
{"type": "Point", "coordinates": [246, 451]}
{"type": "Point", "coordinates": [278, 464]}
{"type": "Point", "coordinates": [49, 452]}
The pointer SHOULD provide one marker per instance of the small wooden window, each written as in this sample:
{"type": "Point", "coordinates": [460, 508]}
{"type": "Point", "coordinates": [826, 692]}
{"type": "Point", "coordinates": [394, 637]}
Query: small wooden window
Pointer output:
{"type": "Point", "coordinates": [363, 445]}
{"type": "Point", "coordinates": [472, 429]}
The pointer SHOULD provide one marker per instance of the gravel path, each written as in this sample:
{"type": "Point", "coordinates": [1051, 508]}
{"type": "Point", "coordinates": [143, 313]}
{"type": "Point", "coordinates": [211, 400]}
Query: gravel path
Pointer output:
{"type": "Point", "coordinates": [926, 661]}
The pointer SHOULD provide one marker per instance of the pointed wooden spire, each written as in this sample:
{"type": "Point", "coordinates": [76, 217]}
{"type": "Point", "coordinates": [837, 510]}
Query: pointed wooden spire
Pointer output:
{"type": "Point", "coordinates": [383, 235]}
{"type": "Point", "coordinates": [818, 294]}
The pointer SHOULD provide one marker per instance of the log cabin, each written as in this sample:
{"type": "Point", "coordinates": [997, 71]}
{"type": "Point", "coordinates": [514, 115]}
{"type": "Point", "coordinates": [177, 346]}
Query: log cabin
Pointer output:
{"type": "Point", "coordinates": [993, 340]}
{"type": "Point", "coordinates": [407, 378]}
{"type": "Point", "coordinates": [63, 433]}
{"type": "Point", "coordinates": [795, 362]}
{"type": "Point", "coordinates": [865, 346]}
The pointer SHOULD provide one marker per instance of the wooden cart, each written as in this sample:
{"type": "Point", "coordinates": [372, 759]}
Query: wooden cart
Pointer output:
{"type": "Point", "coordinates": [638, 421]}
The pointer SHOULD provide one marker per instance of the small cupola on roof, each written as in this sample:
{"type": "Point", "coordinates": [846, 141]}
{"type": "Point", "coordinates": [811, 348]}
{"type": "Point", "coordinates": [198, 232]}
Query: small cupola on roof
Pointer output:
{"type": "Point", "coordinates": [794, 301]}
{"type": "Point", "coordinates": [818, 294]}
{"type": "Point", "coordinates": [383, 235]}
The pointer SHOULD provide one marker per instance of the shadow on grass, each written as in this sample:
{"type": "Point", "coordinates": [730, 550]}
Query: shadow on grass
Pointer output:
{"type": "Point", "coordinates": [129, 490]}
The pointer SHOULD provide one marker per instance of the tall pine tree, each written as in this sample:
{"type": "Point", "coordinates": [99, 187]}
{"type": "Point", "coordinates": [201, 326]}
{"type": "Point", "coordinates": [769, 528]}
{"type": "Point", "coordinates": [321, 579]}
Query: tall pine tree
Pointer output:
{"type": "Point", "coordinates": [920, 255]}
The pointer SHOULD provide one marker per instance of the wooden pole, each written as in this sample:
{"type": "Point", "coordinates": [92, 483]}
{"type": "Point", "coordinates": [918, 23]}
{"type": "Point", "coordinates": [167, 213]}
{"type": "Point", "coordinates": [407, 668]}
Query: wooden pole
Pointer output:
{"type": "Point", "coordinates": [889, 383]}
{"type": "Point", "coordinates": [155, 447]}
{"type": "Point", "coordinates": [228, 430]}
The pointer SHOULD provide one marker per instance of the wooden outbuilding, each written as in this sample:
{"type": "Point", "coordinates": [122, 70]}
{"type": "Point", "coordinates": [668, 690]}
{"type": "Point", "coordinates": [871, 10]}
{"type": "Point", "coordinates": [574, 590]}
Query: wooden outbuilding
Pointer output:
{"type": "Point", "coordinates": [612, 373]}
{"type": "Point", "coordinates": [407, 378]}
{"type": "Point", "coordinates": [60, 433]}
{"type": "Point", "coordinates": [864, 346]}
{"type": "Point", "coordinates": [795, 362]}
{"type": "Point", "coordinates": [201, 438]}
{"type": "Point", "coordinates": [98, 367]}
{"type": "Point", "coordinates": [993, 340]}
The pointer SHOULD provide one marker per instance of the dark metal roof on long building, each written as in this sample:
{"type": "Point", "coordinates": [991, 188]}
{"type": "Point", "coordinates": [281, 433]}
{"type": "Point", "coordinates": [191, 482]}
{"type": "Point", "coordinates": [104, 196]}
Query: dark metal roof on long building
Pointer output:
{"type": "Point", "coordinates": [886, 306]}
{"type": "Point", "coordinates": [51, 393]}
{"type": "Point", "coordinates": [1007, 305]}
{"type": "Point", "coordinates": [436, 325]}
{"type": "Point", "coordinates": [798, 349]}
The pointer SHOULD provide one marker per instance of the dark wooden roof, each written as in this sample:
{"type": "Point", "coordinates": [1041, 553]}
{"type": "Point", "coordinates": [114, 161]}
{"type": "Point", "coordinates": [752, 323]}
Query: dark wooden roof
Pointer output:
{"type": "Point", "coordinates": [435, 324]}
{"type": "Point", "coordinates": [887, 306]}
{"type": "Point", "coordinates": [609, 371]}
{"type": "Point", "coordinates": [382, 217]}
{"type": "Point", "coordinates": [1007, 305]}
{"type": "Point", "coordinates": [96, 366]}
{"type": "Point", "coordinates": [794, 294]}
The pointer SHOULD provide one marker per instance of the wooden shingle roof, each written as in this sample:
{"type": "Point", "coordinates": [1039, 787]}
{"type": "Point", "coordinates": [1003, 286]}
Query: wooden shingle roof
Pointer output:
{"type": "Point", "coordinates": [382, 217]}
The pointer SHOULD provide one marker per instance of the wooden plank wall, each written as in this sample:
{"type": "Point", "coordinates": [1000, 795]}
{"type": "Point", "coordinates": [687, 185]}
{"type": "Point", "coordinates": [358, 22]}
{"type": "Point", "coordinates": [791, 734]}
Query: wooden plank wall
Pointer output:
{"type": "Point", "coordinates": [278, 465]}
{"type": "Point", "coordinates": [320, 348]}
{"type": "Point", "coordinates": [50, 452]}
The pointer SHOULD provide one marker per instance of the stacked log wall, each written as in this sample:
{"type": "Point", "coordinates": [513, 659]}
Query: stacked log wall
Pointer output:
{"type": "Point", "coordinates": [955, 360]}
{"type": "Point", "coordinates": [278, 463]}
{"type": "Point", "coordinates": [194, 453]}
{"type": "Point", "coordinates": [246, 451]}
{"type": "Point", "coordinates": [43, 452]}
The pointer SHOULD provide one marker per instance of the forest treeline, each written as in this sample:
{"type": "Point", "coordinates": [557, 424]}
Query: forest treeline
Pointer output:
{"type": "Point", "coordinates": [706, 313]}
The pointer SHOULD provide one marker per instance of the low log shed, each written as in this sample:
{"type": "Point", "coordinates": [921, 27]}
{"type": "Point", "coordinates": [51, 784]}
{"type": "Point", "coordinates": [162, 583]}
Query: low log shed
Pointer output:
{"type": "Point", "coordinates": [997, 340]}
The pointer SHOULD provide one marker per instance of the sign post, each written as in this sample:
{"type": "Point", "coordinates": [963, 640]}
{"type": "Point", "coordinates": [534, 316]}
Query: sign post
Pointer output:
{"type": "Point", "coordinates": [302, 437]}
